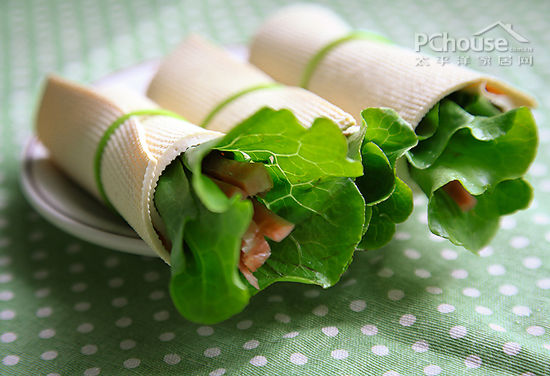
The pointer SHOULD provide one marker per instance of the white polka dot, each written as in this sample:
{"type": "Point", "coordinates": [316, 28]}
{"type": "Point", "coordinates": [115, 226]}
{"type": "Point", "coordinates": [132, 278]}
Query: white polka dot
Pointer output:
{"type": "Point", "coordinates": [85, 328]}
{"type": "Point", "coordinates": [349, 282]}
{"type": "Point", "coordinates": [252, 344]}
{"type": "Point", "coordinates": [312, 293]}
{"type": "Point", "coordinates": [157, 295]}
{"type": "Point", "coordinates": [82, 306]}
{"type": "Point", "coordinates": [321, 310]}
{"type": "Point", "coordinates": [458, 331]}
{"type": "Point", "coordinates": [434, 290]}
{"type": "Point", "coordinates": [281, 317]}
{"type": "Point", "coordinates": [116, 282]}
{"type": "Point", "coordinates": [258, 361]}
{"type": "Point", "coordinates": [275, 298]}
{"type": "Point", "coordinates": [538, 169]}
{"type": "Point", "coordinates": [535, 330]}
{"type": "Point", "coordinates": [92, 371]}
{"type": "Point", "coordinates": [205, 331]}
{"type": "Point", "coordinates": [459, 274]}
{"type": "Point", "coordinates": [88, 349]}
{"type": "Point", "coordinates": [49, 355]}
{"type": "Point", "coordinates": [46, 333]}
{"type": "Point", "coordinates": [217, 372]}
{"type": "Point", "coordinates": [5, 277]}
{"type": "Point", "coordinates": [471, 292]}
{"type": "Point", "coordinates": [44, 312]}
{"type": "Point", "coordinates": [521, 311]}
{"type": "Point", "coordinates": [161, 316]}
{"type": "Point", "coordinates": [212, 352]}
{"type": "Point", "coordinates": [391, 373]}
{"type": "Point", "coordinates": [151, 276]}
{"type": "Point", "coordinates": [330, 331]}
{"type": "Point", "coordinates": [290, 335]}
{"type": "Point", "coordinates": [119, 302]}
{"type": "Point", "coordinates": [484, 310]}
{"type": "Point", "coordinates": [413, 254]}
{"type": "Point", "coordinates": [400, 235]}
{"type": "Point", "coordinates": [6, 295]}
{"type": "Point", "coordinates": [112, 261]}
{"type": "Point", "coordinates": [127, 344]}
{"type": "Point", "coordinates": [396, 295]}
{"type": "Point", "coordinates": [76, 268]}
{"type": "Point", "coordinates": [532, 262]}
{"type": "Point", "coordinates": [298, 359]}
{"type": "Point", "coordinates": [445, 308]}
{"type": "Point", "coordinates": [472, 361]}
{"type": "Point", "coordinates": [245, 324]}
{"type": "Point", "coordinates": [527, 374]}
{"type": "Point", "coordinates": [422, 273]}
{"type": "Point", "coordinates": [385, 273]}
{"type": "Point", "coordinates": [486, 252]}
{"type": "Point", "coordinates": [449, 254]}
{"type": "Point", "coordinates": [544, 283]}
{"type": "Point", "coordinates": [380, 350]}
{"type": "Point", "coordinates": [519, 242]}
{"type": "Point", "coordinates": [511, 348]}
{"type": "Point", "coordinates": [168, 336]}
{"type": "Point", "coordinates": [7, 314]}
{"type": "Point", "coordinates": [541, 219]}
{"type": "Point", "coordinates": [547, 346]}
{"type": "Point", "coordinates": [496, 269]}
{"type": "Point", "coordinates": [42, 293]}
{"type": "Point", "coordinates": [5, 260]}
{"type": "Point", "coordinates": [507, 223]}
{"type": "Point", "coordinates": [79, 287]}
{"type": "Point", "coordinates": [8, 337]}
{"type": "Point", "coordinates": [508, 290]}
{"type": "Point", "coordinates": [10, 360]}
{"type": "Point", "coordinates": [131, 363]}
{"type": "Point", "coordinates": [172, 359]}
{"type": "Point", "coordinates": [123, 322]}
{"type": "Point", "coordinates": [339, 354]}
{"type": "Point", "coordinates": [420, 346]}
{"type": "Point", "coordinates": [407, 320]}
{"type": "Point", "coordinates": [432, 370]}
{"type": "Point", "coordinates": [497, 328]}
{"type": "Point", "coordinates": [358, 305]}
{"type": "Point", "coordinates": [369, 330]}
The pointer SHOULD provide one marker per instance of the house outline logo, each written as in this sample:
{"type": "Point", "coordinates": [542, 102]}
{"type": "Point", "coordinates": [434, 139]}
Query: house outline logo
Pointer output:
{"type": "Point", "coordinates": [507, 28]}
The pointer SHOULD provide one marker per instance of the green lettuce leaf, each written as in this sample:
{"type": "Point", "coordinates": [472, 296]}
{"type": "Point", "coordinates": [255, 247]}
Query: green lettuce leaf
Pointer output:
{"type": "Point", "coordinates": [387, 138]}
{"type": "Point", "coordinates": [488, 152]}
{"type": "Point", "coordinates": [310, 169]}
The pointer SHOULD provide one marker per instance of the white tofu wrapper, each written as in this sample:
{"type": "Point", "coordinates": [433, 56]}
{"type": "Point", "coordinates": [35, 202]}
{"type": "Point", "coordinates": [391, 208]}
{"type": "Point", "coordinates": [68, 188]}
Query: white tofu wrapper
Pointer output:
{"type": "Point", "coordinates": [198, 77]}
{"type": "Point", "coordinates": [71, 122]}
{"type": "Point", "coordinates": [362, 73]}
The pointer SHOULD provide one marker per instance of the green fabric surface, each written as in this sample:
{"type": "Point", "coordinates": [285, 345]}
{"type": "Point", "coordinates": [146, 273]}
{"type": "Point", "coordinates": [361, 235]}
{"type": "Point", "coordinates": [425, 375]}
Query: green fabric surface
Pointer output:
{"type": "Point", "coordinates": [419, 306]}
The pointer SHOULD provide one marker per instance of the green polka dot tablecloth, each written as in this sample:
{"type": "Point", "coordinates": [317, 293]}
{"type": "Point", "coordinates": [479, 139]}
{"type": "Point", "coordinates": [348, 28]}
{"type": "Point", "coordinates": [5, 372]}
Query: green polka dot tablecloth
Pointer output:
{"type": "Point", "coordinates": [419, 306]}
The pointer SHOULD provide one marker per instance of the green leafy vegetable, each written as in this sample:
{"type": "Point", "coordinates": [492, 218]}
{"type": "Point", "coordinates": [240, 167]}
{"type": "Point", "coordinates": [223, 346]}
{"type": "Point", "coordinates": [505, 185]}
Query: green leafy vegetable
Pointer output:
{"type": "Point", "coordinates": [487, 152]}
{"type": "Point", "coordinates": [387, 138]}
{"type": "Point", "coordinates": [310, 169]}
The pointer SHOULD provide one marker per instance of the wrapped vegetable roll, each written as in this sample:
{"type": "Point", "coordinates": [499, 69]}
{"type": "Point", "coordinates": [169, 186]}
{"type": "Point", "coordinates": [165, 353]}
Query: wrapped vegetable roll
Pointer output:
{"type": "Point", "coordinates": [475, 134]}
{"type": "Point", "coordinates": [208, 86]}
{"type": "Point", "coordinates": [231, 213]}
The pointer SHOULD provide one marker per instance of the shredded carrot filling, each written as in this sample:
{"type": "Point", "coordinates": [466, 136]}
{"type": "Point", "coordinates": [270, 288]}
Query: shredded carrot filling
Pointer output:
{"type": "Point", "coordinates": [460, 195]}
{"type": "Point", "coordinates": [249, 179]}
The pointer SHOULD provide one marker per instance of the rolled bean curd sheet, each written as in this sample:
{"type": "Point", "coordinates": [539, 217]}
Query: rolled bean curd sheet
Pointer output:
{"type": "Point", "coordinates": [73, 122]}
{"type": "Point", "coordinates": [475, 135]}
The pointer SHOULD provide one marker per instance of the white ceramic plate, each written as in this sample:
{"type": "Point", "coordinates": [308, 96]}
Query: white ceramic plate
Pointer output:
{"type": "Point", "coordinates": [68, 206]}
